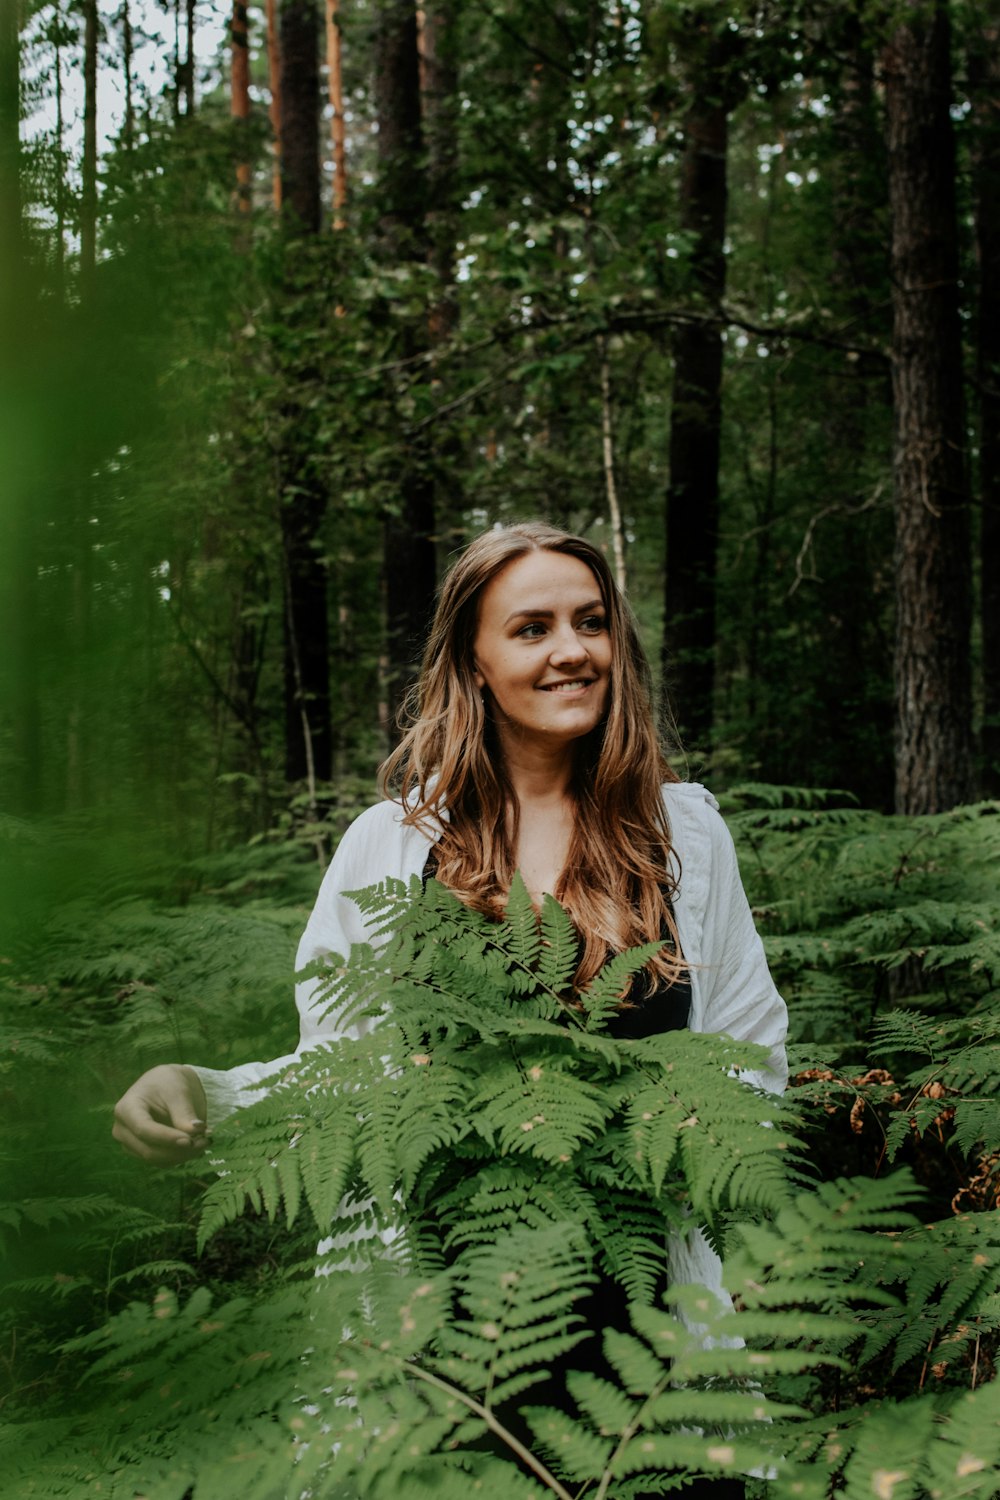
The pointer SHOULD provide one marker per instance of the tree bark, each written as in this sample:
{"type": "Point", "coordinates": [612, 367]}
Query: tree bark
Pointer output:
{"type": "Point", "coordinates": [60, 244]}
{"type": "Point", "coordinates": [853, 690]}
{"type": "Point", "coordinates": [410, 563]}
{"type": "Point", "coordinates": [19, 514]}
{"type": "Point", "coordinates": [300, 164]}
{"type": "Point", "coordinates": [239, 102]}
{"type": "Point", "coordinates": [303, 494]}
{"type": "Point", "coordinates": [692, 508]}
{"type": "Point", "coordinates": [128, 123]}
{"type": "Point", "coordinates": [186, 81]}
{"type": "Point", "coordinates": [931, 667]}
{"type": "Point", "coordinates": [440, 118]}
{"type": "Point", "coordinates": [88, 194]}
{"type": "Point", "coordinates": [984, 75]}
{"type": "Point", "coordinates": [10, 144]}
{"type": "Point", "coordinates": [274, 86]}
{"type": "Point", "coordinates": [335, 89]}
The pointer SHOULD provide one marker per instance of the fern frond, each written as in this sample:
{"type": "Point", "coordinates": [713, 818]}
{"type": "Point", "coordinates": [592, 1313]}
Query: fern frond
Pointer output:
{"type": "Point", "coordinates": [520, 933]}
{"type": "Point", "coordinates": [557, 959]}
{"type": "Point", "coordinates": [532, 1104]}
{"type": "Point", "coordinates": [602, 997]}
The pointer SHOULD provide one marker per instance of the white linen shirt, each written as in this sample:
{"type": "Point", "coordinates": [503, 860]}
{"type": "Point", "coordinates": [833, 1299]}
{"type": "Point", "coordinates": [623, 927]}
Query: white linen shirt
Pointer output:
{"type": "Point", "coordinates": [731, 988]}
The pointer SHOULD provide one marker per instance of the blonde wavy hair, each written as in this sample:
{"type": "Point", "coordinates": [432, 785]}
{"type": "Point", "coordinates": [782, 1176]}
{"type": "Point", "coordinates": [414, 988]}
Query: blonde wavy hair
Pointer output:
{"type": "Point", "coordinates": [448, 771]}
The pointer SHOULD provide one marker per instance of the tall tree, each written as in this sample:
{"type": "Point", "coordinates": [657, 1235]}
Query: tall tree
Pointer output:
{"type": "Point", "coordinates": [274, 105]}
{"type": "Point", "coordinates": [931, 667]}
{"type": "Point", "coordinates": [708, 56]}
{"type": "Point", "coordinates": [239, 99]}
{"type": "Point", "coordinates": [335, 89]}
{"type": "Point", "coordinates": [128, 49]}
{"type": "Point", "coordinates": [410, 564]}
{"type": "Point", "coordinates": [438, 49]}
{"type": "Point", "coordinates": [18, 515]}
{"type": "Point", "coordinates": [984, 77]}
{"type": "Point", "coordinates": [88, 194]}
{"type": "Point", "coordinates": [303, 493]}
{"type": "Point", "coordinates": [185, 65]}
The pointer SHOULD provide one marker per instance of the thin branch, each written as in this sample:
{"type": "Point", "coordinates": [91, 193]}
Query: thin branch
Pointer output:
{"type": "Point", "coordinates": [608, 456]}
{"type": "Point", "coordinates": [414, 1372]}
{"type": "Point", "coordinates": [837, 508]}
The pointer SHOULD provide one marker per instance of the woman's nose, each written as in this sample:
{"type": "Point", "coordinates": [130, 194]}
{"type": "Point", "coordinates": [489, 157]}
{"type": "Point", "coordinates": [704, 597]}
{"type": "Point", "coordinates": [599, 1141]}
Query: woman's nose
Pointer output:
{"type": "Point", "coordinates": [568, 646]}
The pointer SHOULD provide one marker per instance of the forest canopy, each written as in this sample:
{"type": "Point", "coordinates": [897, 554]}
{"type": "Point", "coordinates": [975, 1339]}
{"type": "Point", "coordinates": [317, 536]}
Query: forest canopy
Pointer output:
{"type": "Point", "coordinates": [326, 293]}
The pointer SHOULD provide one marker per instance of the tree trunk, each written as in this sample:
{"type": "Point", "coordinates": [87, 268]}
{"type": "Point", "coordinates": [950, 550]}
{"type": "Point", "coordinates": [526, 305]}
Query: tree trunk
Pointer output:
{"type": "Point", "coordinates": [10, 145]}
{"type": "Point", "coordinates": [984, 72]}
{"type": "Point", "coordinates": [274, 86]}
{"type": "Point", "coordinates": [440, 116]}
{"type": "Point", "coordinates": [439, 86]}
{"type": "Point", "coordinates": [88, 194]}
{"type": "Point", "coordinates": [932, 674]}
{"type": "Point", "coordinates": [239, 100]}
{"type": "Point", "coordinates": [300, 165]}
{"type": "Point", "coordinates": [303, 495]}
{"type": "Point", "coordinates": [608, 460]}
{"type": "Point", "coordinates": [853, 695]}
{"type": "Point", "coordinates": [60, 245]}
{"type": "Point", "coordinates": [410, 563]}
{"type": "Point", "coordinates": [692, 511]}
{"type": "Point", "coordinates": [128, 123]}
{"type": "Point", "coordinates": [19, 514]}
{"type": "Point", "coordinates": [335, 89]}
{"type": "Point", "coordinates": [186, 80]}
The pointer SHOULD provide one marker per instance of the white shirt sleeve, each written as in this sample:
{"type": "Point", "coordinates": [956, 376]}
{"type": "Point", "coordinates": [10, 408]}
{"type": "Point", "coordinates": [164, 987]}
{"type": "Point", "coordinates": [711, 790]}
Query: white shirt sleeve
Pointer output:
{"type": "Point", "coordinates": [731, 987]}
{"type": "Point", "coordinates": [375, 846]}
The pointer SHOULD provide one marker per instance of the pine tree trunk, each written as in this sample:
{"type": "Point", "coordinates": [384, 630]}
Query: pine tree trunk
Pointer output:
{"type": "Point", "coordinates": [10, 145]}
{"type": "Point", "coordinates": [88, 195]}
{"type": "Point", "coordinates": [438, 43]}
{"type": "Point", "coordinates": [128, 123]}
{"type": "Point", "coordinates": [303, 495]}
{"type": "Point", "coordinates": [19, 547]}
{"type": "Point", "coordinates": [931, 669]}
{"type": "Point", "coordinates": [692, 509]}
{"type": "Point", "coordinates": [274, 86]}
{"type": "Point", "coordinates": [335, 89]}
{"type": "Point", "coordinates": [410, 564]}
{"type": "Point", "coordinates": [854, 706]}
{"type": "Point", "coordinates": [440, 114]}
{"type": "Point", "coordinates": [239, 99]}
{"type": "Point", "coordinates": [187, 70]}
{"type": "Point", "coordinates": [300, 165]}
{"type": "Point", "coordinates": [60, 245]}
{"type": "Point", "coordinates": [984, 71]}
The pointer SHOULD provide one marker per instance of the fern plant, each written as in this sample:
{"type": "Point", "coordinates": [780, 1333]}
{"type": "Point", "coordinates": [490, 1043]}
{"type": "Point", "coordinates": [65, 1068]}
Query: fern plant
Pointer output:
{"type": "Point", "coordinates": [490, 1169]}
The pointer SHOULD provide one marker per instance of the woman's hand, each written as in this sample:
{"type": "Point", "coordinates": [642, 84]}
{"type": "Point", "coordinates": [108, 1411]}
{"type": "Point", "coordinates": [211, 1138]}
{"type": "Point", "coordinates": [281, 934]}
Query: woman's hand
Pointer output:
{"type": "Point", "coordinates": [161, 1118]}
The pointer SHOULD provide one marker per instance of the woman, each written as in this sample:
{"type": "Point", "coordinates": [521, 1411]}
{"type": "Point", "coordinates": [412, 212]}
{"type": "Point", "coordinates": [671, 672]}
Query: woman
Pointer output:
{"type": "Point", "coordinates": [533, 749]}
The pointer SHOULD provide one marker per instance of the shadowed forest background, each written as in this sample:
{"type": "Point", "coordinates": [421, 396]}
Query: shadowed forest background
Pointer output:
{"type": "Point", "coordinates": [716, 285]}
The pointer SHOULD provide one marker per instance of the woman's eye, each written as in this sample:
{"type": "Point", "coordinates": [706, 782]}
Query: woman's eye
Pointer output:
{"type": "Point", "coordinates": [593, 623]}
{"type": "Point", "coordinates": [532, 632]}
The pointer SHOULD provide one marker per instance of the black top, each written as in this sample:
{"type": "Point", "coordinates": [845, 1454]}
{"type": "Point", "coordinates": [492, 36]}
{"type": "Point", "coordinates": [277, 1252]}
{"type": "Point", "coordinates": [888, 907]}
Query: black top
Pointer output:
{"type": "Point", "coordinates": [665, 1008]}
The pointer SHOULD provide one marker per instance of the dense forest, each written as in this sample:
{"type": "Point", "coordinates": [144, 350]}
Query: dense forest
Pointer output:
{"type": "Point", "coordinates": [296, 299]}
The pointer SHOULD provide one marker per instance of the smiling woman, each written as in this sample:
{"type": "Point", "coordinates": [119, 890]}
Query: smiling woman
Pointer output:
{"type": "Point", "coordinates": [532, 747]}
{"type": "Point", "coordinates": [543, 653]}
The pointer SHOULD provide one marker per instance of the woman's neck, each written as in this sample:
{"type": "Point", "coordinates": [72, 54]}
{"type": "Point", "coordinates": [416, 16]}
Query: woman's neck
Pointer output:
{"type": "Point", "coordinates": [538, 775]}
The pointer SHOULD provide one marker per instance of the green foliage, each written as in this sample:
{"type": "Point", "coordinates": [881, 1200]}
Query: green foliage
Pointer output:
{"type": "Point", "coordinates": [486, 1166]}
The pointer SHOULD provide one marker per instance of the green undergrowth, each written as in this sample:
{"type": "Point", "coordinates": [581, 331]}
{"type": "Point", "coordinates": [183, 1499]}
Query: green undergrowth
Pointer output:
{"type": "Point", "coordinates": [496, 1171]}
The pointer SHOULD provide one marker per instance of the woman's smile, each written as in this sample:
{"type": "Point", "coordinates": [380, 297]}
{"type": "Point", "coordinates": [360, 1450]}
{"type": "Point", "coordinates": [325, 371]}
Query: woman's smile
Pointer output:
{"type": "Point", "coordinates": [542, 650]}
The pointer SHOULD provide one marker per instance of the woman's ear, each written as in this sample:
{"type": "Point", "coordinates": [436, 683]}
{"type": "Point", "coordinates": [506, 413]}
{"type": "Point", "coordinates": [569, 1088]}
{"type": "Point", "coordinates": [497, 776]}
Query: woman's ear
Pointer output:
{"type": "Point", "coordinates": [478, 677]}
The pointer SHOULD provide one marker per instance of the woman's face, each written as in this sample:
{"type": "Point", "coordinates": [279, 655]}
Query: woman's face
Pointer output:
{"type": "Point", "coordinates": [542, 649]}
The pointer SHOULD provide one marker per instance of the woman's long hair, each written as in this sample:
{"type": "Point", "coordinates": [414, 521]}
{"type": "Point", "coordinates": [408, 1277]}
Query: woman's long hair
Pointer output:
{"type": "Point", "coordinates": [448, 770]}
